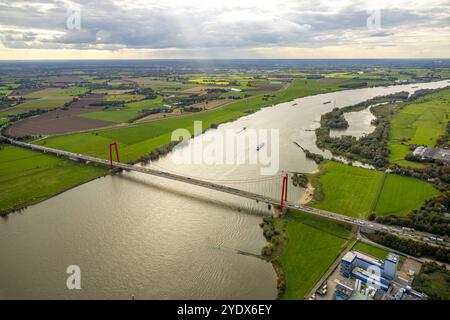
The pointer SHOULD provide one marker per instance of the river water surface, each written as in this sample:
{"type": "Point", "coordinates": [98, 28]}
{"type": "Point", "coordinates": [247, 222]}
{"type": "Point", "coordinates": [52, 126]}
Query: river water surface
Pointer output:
{"type": "Point", "coordinates": [142, 236]}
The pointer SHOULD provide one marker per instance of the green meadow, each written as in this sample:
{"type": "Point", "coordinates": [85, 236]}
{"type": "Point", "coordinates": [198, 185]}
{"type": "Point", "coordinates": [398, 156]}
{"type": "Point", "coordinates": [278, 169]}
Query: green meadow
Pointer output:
{"type": "Point", "coordinates": [357, 192]}
{"type": "Point", "coordinates": [27, 177]}
{"type": "Point", "coordinates": [419, 123]}
{"type": "Point", "coordinates": [313, 244]}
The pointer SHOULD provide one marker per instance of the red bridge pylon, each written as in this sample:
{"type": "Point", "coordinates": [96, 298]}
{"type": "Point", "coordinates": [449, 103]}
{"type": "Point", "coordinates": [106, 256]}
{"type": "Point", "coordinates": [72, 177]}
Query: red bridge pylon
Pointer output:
{"type": "Point", "coordinates": [284, 190]}
{"type": "Point", "coordinates": [110, 154]}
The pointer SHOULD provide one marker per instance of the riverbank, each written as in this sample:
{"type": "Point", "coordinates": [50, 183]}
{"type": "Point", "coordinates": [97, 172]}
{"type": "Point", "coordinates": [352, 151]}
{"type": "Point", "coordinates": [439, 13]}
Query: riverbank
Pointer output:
{"type": "Point", "coordinates": [301, 249]}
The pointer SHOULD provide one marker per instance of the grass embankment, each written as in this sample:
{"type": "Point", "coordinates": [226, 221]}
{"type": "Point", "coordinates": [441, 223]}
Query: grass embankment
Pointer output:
{"type": "Point", "coordinates": [139, 140]}
{"type": "Point", "coordinates": [357, 192]}
{"type": "Point", "coordinates": [419, 123]}
{"type": "Point", "coordinates": [304, 250]}
{"type": "Point", "coordinates": [28, 177]}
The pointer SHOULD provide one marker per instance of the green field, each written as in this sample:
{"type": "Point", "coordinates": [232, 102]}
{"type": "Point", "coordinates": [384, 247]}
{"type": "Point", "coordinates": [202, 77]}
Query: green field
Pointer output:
{"type": "Point", "coordinates": [131, 111]}
{"type": "Point", "coordinates": [313, 245]}
{"type": "Point", "coordinates": [27, 177]}
{"type": "Point", "coordinates": [138, 140]}
{"type": "Point", "coordinates": [357, 192]}
{"type": "Point", "coordinates": [402, 194]}
{"type": "Point", "coordinates": [40, 104]}
{"type": "Point", "coordinates": [58, 92]}
{"type": "Point", "coordinates": [371, 250]}
{"type": "Point", "coordinates": [419, 123]}
{"type": "Point", "coordinates": [376, 252]}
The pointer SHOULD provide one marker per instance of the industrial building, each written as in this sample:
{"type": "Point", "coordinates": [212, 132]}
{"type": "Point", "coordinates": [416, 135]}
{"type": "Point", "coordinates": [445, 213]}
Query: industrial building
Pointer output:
{"type": "Point", "coordinates": [369, 270]}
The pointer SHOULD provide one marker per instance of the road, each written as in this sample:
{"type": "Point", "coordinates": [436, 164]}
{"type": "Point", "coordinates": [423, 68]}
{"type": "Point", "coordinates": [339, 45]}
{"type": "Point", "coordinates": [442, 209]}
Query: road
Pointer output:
{"type": "Point", "coordinates": [402, 232]}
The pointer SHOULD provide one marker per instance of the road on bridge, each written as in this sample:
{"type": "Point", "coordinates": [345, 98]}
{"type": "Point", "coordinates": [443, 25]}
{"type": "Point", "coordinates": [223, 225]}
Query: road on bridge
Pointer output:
{"type": "Point", "coordinates": [402, 232]}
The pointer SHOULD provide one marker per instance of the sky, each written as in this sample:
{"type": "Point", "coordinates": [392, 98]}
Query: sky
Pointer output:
{"type": "Point", "coordinates": [209, 29]}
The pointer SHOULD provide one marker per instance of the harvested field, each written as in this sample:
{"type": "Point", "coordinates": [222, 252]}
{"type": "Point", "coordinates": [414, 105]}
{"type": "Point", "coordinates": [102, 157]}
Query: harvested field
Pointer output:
{"type": "Point", "coordinates": [60, 121]}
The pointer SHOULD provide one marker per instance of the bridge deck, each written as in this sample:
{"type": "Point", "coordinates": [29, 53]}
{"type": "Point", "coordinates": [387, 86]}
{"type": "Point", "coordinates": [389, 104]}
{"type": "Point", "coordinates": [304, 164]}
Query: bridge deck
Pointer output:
{"type": "Point", "coordinates": [245, 194]}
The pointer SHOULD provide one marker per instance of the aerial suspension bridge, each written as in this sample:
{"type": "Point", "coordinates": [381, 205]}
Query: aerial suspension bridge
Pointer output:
{"type": "Point", "coordinates": [281, 205]}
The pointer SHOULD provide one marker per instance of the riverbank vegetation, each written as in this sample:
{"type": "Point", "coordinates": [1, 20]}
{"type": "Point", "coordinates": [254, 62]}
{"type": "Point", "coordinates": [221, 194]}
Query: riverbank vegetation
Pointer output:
{"type": "Point", "coordinates": [302, 248]}
{"type": "Point", "coordinates": [371, 148]}
{"type": "Point", "coordinates": [401, 121]}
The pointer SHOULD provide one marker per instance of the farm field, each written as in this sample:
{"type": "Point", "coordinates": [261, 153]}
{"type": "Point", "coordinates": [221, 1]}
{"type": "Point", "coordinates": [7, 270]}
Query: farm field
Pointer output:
{"type": "Point", "coordinates": [61, 120]}
{"type": "Point", "coordinates": [357, 192]}
{"type": "Point", "coordinates": [313, 244]}
{"type": "Point", "coordinates": [27, 177]}
{"type": "Point", "coordinates": [57, 92]}
{"type": "Point", "coordinates": [138, 140]}
{"type": "Point", "coordinates": [43, 103]}
{"type": "Point", "coordinates": [130, 112]}
{"type": "Point", "coordinates": [402, 194]}
{"type": "Point", "coordinates": [419, 123]}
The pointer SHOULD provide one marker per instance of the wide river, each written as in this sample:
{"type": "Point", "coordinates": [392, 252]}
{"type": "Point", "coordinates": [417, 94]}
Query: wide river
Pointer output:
{"type": "Point", "coordinates": [142, 236]}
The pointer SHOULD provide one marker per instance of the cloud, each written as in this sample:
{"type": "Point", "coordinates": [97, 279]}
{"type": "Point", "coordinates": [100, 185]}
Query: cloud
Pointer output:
{"type": "Point", "coordinates": [217, 26]}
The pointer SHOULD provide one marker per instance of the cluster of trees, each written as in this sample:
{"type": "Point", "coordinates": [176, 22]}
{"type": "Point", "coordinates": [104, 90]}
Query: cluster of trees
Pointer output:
{"type": "Point", "coordinates": [149, 93]}
{"type": "Point", "coordinates": [275, 236]}
{"type": "Point", "coordinates": [411, 247]}
{"type": "Point", "coordinates": [431, 217]}
{"type": "Point", "coordinates": [318, 158]}
{"type": "Point", "coordinates": [423, 282]}
{"type": "Point", "coordinates": [193, 99]}
{"type": "Point", "coordinates": [300, 180]}
{"type": "Point", "coordinates": [335, 119]}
